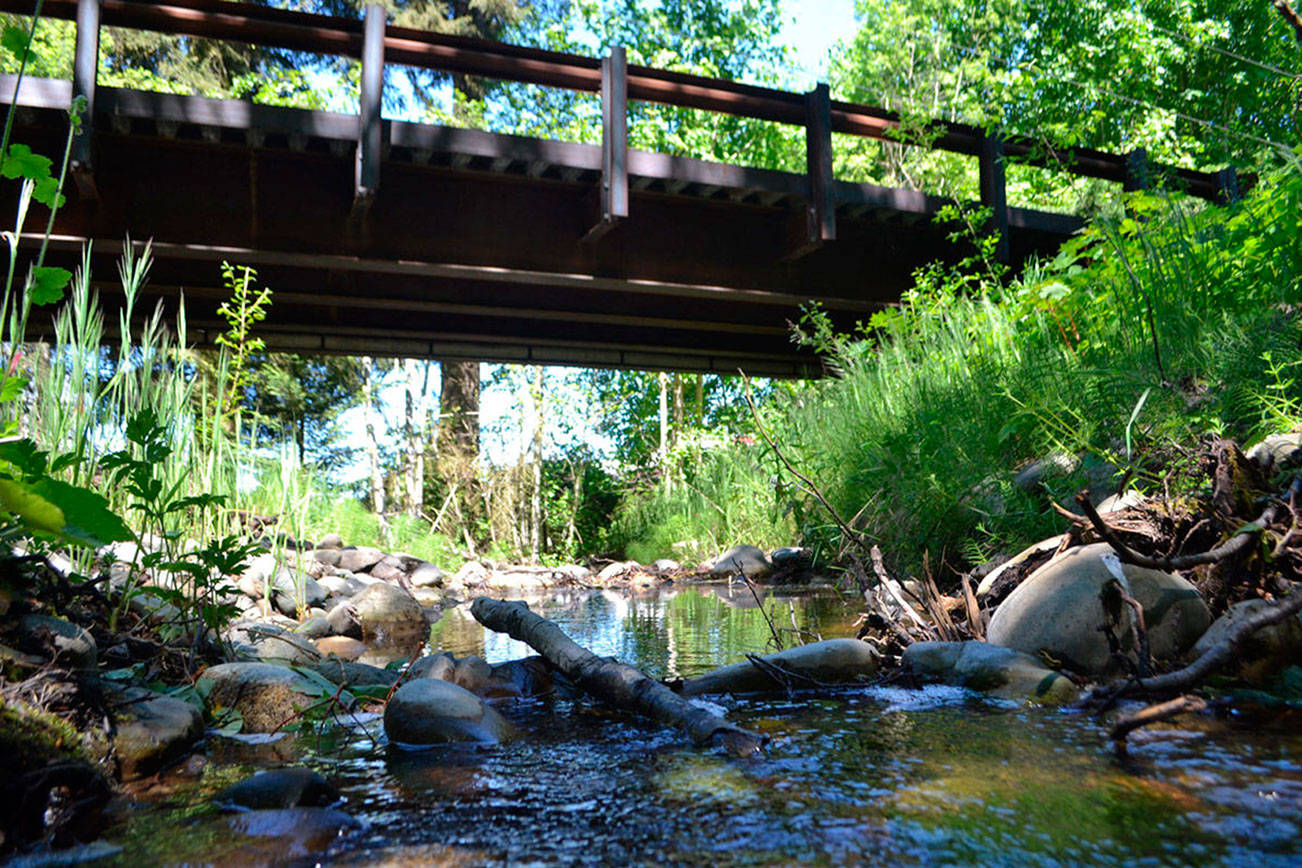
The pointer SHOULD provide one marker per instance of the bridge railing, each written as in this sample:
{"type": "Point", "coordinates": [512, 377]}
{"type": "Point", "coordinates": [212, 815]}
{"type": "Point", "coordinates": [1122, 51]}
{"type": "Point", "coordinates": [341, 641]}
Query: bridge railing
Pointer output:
{"type": "Point", "coordinates": [375, 42]}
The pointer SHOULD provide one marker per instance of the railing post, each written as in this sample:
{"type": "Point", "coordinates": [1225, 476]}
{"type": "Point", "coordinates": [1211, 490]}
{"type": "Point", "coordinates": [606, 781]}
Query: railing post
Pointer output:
{"type": "Point", "coordinates": [994, 193]}
{"type": "Point", "coordinates": [1227, 184]}
{"type": "Point", "coordinates": [370, 129]}
{"type": "Point", "coordinates": [1135, 174]}
{"type": "Point", "coordinates": [818, 160]}
{"type": "Point", "coordinates": [614, 142]}
{"type": "Point", "coordinates": [85, 68]}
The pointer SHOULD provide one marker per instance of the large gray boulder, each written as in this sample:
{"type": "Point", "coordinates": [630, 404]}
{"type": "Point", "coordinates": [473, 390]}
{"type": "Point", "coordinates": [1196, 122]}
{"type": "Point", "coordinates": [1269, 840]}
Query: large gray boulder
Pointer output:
{"type": "Point", "coordinates": [359, 559]}
{"type": "Point", "coordinates": [748, 561]}
{"type": "Point", "coordinates": [832, 661]}
{"type": "Point", "coordinates": [386, 612]}
{"type": "Point", "coordinates": [431, 711]}
{"type": "Point", "coordinates": [151, 731]}
{"type": "Point", "coordinates": [1057, 613]}
{"type": "Point", "coordinates": [990, 668]}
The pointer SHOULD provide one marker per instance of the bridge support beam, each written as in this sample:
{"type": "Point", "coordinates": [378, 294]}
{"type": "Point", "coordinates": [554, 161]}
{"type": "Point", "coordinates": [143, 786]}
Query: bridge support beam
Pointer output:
{"type": "Point", "coordinates": [1135, 174]}
{"type": "Point", "coordinates": [818, 158]}
{"type": "Point", "coordinates": [1227, 180]}
{"type": "Point", "coordinates": [85, 70]}
{"type": "Point", "coordinates": [370, 139]}
{"type": "Point", "coordinates": [994, 191]}
{"type": "Point", "coordinates": [614, 142]}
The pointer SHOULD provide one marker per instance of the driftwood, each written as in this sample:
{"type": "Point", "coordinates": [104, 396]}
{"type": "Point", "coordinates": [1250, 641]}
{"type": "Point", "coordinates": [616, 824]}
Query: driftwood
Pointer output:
{"type": "Point", "coordinates": [1154, 713]}
{"type": "Point", "coordinates": [616, 683]}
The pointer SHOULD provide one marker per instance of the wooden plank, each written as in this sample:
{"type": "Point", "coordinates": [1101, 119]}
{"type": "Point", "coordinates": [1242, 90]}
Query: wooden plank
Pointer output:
{"type": "Point", "coordinates": [369, 128]}
{"type": "Point", "coordinates": [818, 158]}
{"type": "Point", "coordinates": [994, 193]}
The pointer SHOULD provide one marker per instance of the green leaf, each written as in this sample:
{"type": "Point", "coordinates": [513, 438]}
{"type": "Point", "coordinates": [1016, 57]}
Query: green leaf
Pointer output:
{"type": "Point", "coordinates": [48, 283]}
{"type": "Point", "coordinates": [14, 41]}
{"type": "Point", "coordinates": [24, 455]}
{"type": "Point", "coordinates": [47, 193]}
{"type": "Point", "coordinates": [34, 510]}
{"type": "Point", "coordinates": [20, 162]}
{"type": "Point", "coordinates": [11, 389]}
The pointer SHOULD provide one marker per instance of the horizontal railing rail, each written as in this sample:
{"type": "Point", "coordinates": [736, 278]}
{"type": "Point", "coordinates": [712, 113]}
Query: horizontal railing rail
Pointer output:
{"type": "Point", "coordinates": [377, 43]}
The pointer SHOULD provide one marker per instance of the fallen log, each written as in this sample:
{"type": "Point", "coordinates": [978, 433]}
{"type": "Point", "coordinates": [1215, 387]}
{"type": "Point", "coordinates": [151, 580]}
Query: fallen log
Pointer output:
{"type": "Point", "coordinates": [616, 683]}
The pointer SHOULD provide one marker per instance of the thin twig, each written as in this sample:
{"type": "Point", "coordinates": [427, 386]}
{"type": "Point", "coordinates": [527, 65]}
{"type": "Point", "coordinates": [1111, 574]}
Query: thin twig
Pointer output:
{"type": "Point", "coordinates": [1139, 631]}
{"type": "Point", "coordinates": [773, 631]}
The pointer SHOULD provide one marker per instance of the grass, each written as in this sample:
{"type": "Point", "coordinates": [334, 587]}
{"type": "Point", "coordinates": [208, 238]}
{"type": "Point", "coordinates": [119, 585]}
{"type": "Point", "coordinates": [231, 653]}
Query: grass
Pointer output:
{"type": "Point", "coordinates": [1181, 315]}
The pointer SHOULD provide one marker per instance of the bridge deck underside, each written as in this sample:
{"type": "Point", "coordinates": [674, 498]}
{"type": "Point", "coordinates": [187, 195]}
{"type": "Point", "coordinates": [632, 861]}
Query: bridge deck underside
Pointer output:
{"type": "Point", "coordinates": [474, 246]}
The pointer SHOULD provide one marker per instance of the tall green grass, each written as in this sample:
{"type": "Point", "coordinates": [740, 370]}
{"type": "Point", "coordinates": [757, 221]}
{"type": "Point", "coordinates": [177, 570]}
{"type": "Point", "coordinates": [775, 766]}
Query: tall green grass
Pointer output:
{"type": "Point", "coordinates": [937, 406]}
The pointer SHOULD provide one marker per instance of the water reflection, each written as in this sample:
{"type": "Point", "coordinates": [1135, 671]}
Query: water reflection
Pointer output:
{"type": "Point", "coordinates": [668, 633]}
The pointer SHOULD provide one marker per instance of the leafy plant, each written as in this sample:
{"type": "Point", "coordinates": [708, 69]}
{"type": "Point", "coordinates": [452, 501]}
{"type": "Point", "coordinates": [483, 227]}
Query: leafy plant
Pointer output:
{"type": "Point", "coordinates": [241, 312]}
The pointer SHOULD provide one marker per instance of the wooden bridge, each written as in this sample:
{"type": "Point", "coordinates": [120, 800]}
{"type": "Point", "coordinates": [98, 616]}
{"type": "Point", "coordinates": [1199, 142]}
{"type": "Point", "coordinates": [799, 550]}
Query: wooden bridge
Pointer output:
{"type": "Point", "coordinates": [384, 237]}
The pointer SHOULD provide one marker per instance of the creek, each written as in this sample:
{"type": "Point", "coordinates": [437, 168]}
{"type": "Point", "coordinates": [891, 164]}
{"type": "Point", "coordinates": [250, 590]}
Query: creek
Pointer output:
{"type": "Point", "coordinates": [867, 775]}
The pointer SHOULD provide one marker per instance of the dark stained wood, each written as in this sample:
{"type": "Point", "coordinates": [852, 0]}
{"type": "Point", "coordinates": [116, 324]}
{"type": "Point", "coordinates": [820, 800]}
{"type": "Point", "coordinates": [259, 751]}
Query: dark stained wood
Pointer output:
{"type": "Point", "coordinates": [85, 68]}
{"type": "Point", "coordinates": [994, 191]}
{"type": "Point", "coordinates": [369, 134]}
{"type": "Point", "coordinates": [818, 159]}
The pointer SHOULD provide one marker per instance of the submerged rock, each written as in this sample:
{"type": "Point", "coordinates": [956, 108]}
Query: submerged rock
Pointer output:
{"type": "Point", "coordinates": [1058, 611]}
{"type": "Point", "coordinates": [990, 668]}
{"type": "Point", "coordinates": [279, 788]}
{"type": "Point", "coordinates": [432, 711]}
{"type": "Point", "coordinates": [748, 561]}
{"type": "Point", "coordinates": [342, 647]}
{"type": "Point", "coordinates": [832, 661]}
{"type": "Point", "coordinates": [289, 835]}
{"type": "Point", "coordinates": [151, 730]}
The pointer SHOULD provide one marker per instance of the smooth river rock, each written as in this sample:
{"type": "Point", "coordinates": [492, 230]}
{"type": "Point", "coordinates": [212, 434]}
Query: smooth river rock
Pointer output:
{"type": "Point", "coordinates": [832, 661]}
{"type": "Point", "coordinates": [748, 561]}
{"type": "Point", "coordinates": [151, 730]}
{"type": "Point", "coordinates": [295, 787]}
{"type": "Point", "coordinates": [990, 668]}
{"type": "Point", "coordinates": [72, 646]}
{"type": "Point", "coordinates": [430, 711]}
{"type": "Point", "coordinates": [1263, 653]}
{"type": "Point", "coordinates": [387, 612]}
{"type": "Point", "coordinates": [1057, 612]}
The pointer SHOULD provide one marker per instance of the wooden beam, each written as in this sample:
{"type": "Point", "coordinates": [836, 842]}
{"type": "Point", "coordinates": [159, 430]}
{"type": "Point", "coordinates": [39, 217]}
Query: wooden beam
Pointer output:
{"type": "Point", "coordinates": [85, 70]}
{"type": "Point", "coordinates": [818, 159]}
{"type": "Point", "coordinates": [1136, 171]}
{"type": "Point", "coordinates": [369, 129]}
{"type": "Point", "coordinates": [994, 193]}
{"type": "Point", "coordinates": [614, 142]}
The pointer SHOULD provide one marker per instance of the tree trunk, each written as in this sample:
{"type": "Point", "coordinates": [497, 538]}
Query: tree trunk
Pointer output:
{"type": "Point", "coordinates": [459, 408]}
{"type": "Point", "coordinates": [615, 683]}
{"type": "Point", "coordinates": [677, 433]}
{"type": "Point", "coordinates": [662, 455]}
{"type": "Point", "coordinates": [536, 541]}
{"type": "Point", "coordinates": [413, 445]}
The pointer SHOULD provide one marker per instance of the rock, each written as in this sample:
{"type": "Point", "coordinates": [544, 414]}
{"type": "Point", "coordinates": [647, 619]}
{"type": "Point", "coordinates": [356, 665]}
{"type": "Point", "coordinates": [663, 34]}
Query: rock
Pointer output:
{"type": "Point", "coordinates": [610, 572]}
{"type": "Point", "coordinates": [749, 561]}
{"type": "Point", "coordinates": [1043, 547]}
{"type": "Point", "coordinates": [990, 668]}
{"type": "Point", "coordinates": [387, 572]}
{"type": "Point", "coordinates": [792, 558]}
{"type": "Point", "coordinates": [62, 641]}
{"type": "Point", "coordinates": [271, 641]}
{"type": "Point", "coordinates": [331, 541]}
{"type": "Point", "coordinates": [155, 609]}
{"type": "Point", "coordinates": [1031, 477]}
{"type": "Point", "coordinates": [1121, 500]}
{"type": "Point", "coordinates": [1277, 450]}
{"type": "Point", "coordinates": [314, 627]}
{"type": "Point", "coordinates": [288, 587]}
{"type": "Point", "coordinates": [342, 585]}
{"type": "Point", "coordinates": [666, 565]}
{"type": "Point", "coordinates": [343, 647]}
{"type": "Point", "coordinates": [288, 836]}
{"type": "Point", "coordinates": [832, 661]}
{"type": "Point", "coordinates": [347, 674]}
{"type": "Point", "coordinates": [279, 788]}
{"type": "Point", "coordinates": [472, 574]}
{"type": "Point", "coordinates": [519, 580]}
{"type": "Point", "coordinates": [265, 694]}
{"type": "Point", "coordinates": [426, 575]}
{"type": "Point", "coordinates": [385, 612]}
{"type": "Point", "coordinates": [1262, 654]}
{"type": "Point", "coordinates": [431, 711]}
{"type": "Point", "coordinates": [151, 730]}
{"type": "Point", "coordinates": [343, 620]}
{"type": "Point", "coordinates": [329, 557]}
{"type": "Point", "coordinates": [1058, 610]}
{"type": "Point", "coordinates": [359, 559]}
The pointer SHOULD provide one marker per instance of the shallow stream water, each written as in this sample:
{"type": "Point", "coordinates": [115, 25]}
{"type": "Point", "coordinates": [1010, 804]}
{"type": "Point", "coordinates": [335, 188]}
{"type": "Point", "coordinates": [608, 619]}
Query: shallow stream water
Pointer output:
{"type": "Point", "coordinates": [869, 775]}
